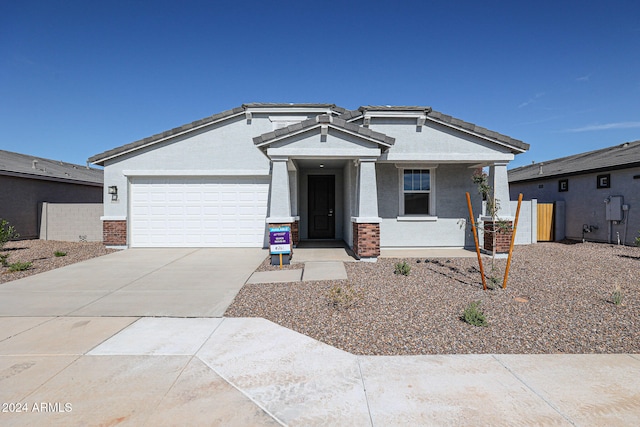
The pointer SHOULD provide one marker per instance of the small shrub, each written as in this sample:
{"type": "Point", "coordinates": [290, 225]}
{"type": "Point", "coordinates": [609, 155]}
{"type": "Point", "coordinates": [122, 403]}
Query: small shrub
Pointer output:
{"type": "Point", "coordinates": [473, 315]}
{"type": "Point", "coordinates": [616, 296]}
{"type": "Point", "coordinates": [19, 266]}
{"type": "Point", "coordinates": [638, 240]}
{"type": "Point", "coordinates": [402, 268]}
{"type": "Point", "coordinates": [60, 253]}
{"type": "Point", "coordinates": [3, 260]}
{"type": "Point", "coordinates": [7, 232]}
{"type": "Point", "coordinates": [343, 297]}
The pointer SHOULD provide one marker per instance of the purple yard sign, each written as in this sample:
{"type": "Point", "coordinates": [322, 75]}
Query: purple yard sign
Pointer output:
{"type": "Point", "coordinates": [280, 240]}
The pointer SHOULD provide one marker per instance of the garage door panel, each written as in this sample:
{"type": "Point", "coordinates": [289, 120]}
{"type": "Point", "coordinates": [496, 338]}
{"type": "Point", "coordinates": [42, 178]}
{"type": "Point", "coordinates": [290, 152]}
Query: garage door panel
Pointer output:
{"type": "Point", "coordinates": [198, 211]}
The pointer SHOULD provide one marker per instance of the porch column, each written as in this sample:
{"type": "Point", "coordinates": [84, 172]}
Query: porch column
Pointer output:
{"type": "Point", "coordinates": [493, 233]}
{"type": "Point", "coordinates": [280, 201]}
{"type": "Point", "coordinates": [367, 190]}
{"type": "Point", "coordinates": [366, 225]}
{"type": "Point", "coordinates": [500, 182]}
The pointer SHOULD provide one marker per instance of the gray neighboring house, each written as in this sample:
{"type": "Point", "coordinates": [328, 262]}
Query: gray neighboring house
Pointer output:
{"type": "Point", "coordinates": [599, 192]}
{"type": "Point", "coordinates": [378, 176]}
{"type": "Point", "coordinates": [28, 181]}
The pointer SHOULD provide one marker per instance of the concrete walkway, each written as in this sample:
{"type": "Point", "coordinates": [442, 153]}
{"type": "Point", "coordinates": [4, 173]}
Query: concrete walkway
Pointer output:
{"type": "Point", "coordinates": [310, 271]}
{"type": "Point", "coordinates": [239, 372]}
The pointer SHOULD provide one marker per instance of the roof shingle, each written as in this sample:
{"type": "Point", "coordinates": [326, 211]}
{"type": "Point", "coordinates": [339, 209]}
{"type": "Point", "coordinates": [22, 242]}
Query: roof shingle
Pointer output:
{"type": "Point", "coordinates": [616, 157]}
{"type": "Point", "coordinates": [40, 168]}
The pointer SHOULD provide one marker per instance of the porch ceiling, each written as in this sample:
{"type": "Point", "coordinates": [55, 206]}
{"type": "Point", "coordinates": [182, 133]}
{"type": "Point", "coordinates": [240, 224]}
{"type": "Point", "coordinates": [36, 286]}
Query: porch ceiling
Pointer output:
{"type": "Point", "coordinates": [316, 162]}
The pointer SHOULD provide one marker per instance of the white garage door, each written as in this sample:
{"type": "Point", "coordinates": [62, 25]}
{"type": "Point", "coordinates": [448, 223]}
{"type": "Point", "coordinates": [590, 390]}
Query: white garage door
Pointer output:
{"type": "Point", "coordinates": [198, 211]}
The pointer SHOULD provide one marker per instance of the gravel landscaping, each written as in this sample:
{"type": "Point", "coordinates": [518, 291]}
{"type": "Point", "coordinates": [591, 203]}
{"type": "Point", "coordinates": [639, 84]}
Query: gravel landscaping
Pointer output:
{"type": "Point", "coordinates": [558, 300]}
{"type": "Point", "coordinates": [41, 255]}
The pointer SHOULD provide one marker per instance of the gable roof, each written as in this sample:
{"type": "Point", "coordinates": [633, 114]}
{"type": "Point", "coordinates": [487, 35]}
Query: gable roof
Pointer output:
{"type": "Point", "coordinates": [243, 109]}
{"type": "Point", "coordinates": [25, 166]}
{"type": "Point", "coordinates": [515, 145]}
{"type": "Point", "coordinates": [617, 157]}
{"type": "Point", "coordinates": [346, 116]}
{"type": "Point", "coordinates": [319, 121]}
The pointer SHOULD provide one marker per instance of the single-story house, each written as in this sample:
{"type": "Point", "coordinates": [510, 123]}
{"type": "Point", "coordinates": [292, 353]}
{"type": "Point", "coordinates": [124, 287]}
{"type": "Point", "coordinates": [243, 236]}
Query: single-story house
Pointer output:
{"type": "Point", "coordinates": [378, 176]}
{"type": "Point", "coordinates": [28, 181]}
{"type": "Point", "coordinates": [596, 194]}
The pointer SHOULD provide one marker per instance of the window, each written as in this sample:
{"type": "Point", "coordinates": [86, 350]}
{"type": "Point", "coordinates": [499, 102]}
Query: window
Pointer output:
{"type": "Point", "coordinates": [563, 185]}
{"type": "Point", "coordinates": [604, 181]}
{"type": "Point", "coordinates": [416, 192]}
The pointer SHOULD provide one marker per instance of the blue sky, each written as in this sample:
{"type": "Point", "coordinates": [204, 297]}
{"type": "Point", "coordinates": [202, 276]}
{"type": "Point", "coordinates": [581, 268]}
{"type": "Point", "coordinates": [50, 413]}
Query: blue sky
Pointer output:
{"type": "Point", "coordinates": [81, 77]}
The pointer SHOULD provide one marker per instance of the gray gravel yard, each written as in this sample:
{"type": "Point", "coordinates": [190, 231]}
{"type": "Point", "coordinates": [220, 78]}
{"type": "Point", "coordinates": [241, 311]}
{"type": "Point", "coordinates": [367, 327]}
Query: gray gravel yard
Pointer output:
{"type": "Point", "coordinates": [41, 253]}
{"type": "Point", "coordinates": [558, 300]}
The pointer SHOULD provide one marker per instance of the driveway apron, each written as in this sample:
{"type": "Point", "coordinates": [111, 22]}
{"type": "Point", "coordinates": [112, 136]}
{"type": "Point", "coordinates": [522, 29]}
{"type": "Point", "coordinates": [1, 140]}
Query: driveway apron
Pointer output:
{"type": "Point", "coordinates": [180, 282]}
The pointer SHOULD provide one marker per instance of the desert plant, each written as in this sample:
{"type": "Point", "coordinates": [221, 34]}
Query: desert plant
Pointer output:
{"type": "Point", "coordinates": [473, 315]}
{"type": "Point", "coordinates": [60, 253]}
{"type": "Point", "coordinates": [7, 232]}
{"type": "Point", "coordinates": [3, 260]}
{"type": "Point", "coordinates": [402, 268]}
{"type": "Point", "coordinates": [481, 180]}
{"type": "Point", "coordinates": [19, 266]}
{"type": "Point", "coordinates": [494, 279]}
{"type": "Point", "coordinates": [343, 296]}
{"type": "Point", "coordinates": [616, 296]}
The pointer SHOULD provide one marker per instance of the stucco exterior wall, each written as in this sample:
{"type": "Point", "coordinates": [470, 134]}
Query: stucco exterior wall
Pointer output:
{"type": "Point", "coordinates": [222, 149]}
{"type": "Point", "coordinates": [21, 198]}
{"type": "Point", "coordinates": [435, 143]}
{"type": "Point", "coordinates": [450, 225]}
{"type": "Point", "coordinates": [584, 203]}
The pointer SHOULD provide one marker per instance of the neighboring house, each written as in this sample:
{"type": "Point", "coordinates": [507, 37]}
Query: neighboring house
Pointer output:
{"type": "Point", "coordinates": [376, 176]}
{"type": "Point", "coordinates": [28, 181]}
{"type": "Point", "coordinates": [599, 192]}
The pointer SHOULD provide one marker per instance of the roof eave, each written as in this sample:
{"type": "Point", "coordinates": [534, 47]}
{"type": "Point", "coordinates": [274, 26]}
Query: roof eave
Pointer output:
{"type": "Point", "coordinates": [265, 143]}
{"type": "Point", "coordinates": [513, 148]}
{"type": "Point", "coordinates": [100, 159]}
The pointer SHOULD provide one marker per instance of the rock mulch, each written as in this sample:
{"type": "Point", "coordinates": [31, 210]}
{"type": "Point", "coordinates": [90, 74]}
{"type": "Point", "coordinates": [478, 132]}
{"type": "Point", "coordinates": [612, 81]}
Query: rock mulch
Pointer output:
{"type": "Point", "coordinates": [41, 253]}
{"type": "Point", "coordinates": [557, 300]}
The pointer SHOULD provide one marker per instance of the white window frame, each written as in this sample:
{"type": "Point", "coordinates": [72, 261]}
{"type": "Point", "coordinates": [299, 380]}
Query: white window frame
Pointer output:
{"type": "Point", "coordinates": [431, 215]}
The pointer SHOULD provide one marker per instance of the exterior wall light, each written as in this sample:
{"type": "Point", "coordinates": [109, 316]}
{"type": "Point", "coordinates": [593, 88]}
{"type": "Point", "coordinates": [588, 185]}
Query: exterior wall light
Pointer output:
{"type": "Point", "coordinates": [113, 190]}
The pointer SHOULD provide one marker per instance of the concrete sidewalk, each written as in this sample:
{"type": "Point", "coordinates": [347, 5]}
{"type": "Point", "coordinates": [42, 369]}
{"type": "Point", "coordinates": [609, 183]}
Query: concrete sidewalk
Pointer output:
{"type": "Point", "coordinates": [235, 371]}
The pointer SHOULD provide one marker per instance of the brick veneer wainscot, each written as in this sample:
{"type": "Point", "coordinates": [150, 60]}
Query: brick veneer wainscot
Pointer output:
{"type": "Point", "coordinates": [503, 237]}
{"type": "Point", "coordinates": [366, 240]}
{"type": "Point", "coordinates": [114, 233]}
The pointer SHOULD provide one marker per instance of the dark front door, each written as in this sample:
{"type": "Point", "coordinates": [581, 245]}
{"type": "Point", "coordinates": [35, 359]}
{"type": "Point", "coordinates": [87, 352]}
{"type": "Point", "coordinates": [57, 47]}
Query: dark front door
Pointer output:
{"type": "Point", "coordinates": [322, 204]}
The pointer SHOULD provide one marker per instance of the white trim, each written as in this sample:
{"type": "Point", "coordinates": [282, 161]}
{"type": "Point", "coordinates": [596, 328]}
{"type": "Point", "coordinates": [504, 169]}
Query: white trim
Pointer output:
{"type": "Point", "coordinates": [448, 157]}
{"type": "Point", "coordinates": [415, 166]}
{"type": "Point", "coordinates": [281, 219]}
{"type": "Point", "coordinates": [411, 114]}
{"type": "Point", "coordinates": [324, 153]}
{"type": "Point", "coordinates": [113, 218]}
{"type": "Point", "coordinates": [417, 218]}
{"type": "Point", "coordinates": [432, 189]}
{"type": "Point", "coordinates": [366, 220]}
{"type": "Point", "coordinates": [186, 172]}
{"type": "Point", "coordinates": [269, 109]}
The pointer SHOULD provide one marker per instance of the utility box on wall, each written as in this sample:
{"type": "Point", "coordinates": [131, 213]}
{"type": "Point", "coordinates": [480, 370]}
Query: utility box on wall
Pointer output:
{"type": "Point", "coordinates": [613, 206]}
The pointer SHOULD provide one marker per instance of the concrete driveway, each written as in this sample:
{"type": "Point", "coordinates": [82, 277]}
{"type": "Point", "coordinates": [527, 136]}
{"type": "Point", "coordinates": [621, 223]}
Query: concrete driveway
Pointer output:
{"type": "Point", "coordinates": [77, 349]}
{"type": "Point", "coordinates": [178, 282]}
